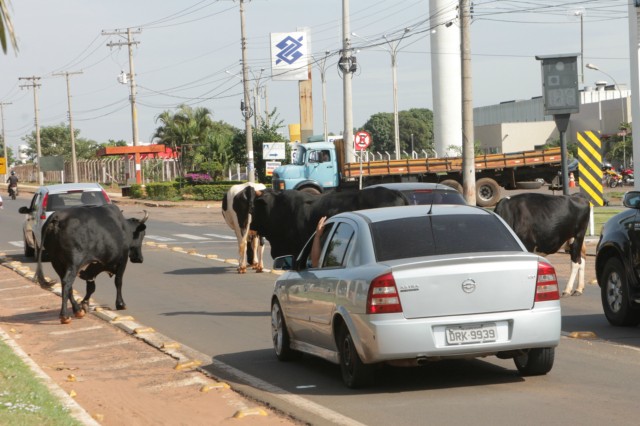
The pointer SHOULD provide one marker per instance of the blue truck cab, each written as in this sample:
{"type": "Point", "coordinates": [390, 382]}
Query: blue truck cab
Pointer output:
{"type": "Point", "coordinates": [314, 168]}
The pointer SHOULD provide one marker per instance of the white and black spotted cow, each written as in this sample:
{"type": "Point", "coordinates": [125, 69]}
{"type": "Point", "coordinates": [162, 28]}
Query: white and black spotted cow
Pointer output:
{"type": "Point", "coordinates": [237, 209]}
{"type": "Point", "coordinates": [545, 223]}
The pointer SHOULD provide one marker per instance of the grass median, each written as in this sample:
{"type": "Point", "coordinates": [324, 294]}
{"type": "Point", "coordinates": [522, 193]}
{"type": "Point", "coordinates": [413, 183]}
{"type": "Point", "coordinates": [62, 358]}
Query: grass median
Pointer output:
{"type": "Point", "coordinates": [24, 399]}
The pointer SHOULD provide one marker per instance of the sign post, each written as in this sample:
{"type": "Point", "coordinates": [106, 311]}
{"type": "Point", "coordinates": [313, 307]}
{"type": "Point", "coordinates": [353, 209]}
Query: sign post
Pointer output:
{"type": "Point", "coordinates": [561, 98]}
{"type": "Point", "coordinates": [361, 140]}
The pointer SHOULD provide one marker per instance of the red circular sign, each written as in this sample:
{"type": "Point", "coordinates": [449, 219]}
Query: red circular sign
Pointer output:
{"type": "Point", "coordinates": [362, 140]}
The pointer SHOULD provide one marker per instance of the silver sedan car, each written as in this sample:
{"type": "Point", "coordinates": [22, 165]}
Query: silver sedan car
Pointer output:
{"type": "Point", "coordinates": [410, 285]}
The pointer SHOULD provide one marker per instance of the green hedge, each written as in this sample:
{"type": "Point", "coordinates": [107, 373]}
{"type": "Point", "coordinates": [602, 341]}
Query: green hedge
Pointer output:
{"type": "Point", "coordinates": [163, 191]}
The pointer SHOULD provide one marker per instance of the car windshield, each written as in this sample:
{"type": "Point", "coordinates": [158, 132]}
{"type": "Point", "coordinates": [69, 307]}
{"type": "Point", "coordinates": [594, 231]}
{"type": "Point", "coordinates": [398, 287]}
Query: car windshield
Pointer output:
{"type": "Point", "coordinates": [436, 235]}
{"type": "Point", "coordinates": [75, 198]}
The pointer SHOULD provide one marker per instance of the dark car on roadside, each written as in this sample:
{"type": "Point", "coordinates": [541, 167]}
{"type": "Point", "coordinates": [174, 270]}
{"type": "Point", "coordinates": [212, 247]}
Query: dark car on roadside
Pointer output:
{"type": "Point", "coordinates": [425, 192]}
{"type": "Point", "coordinates": [618, 264]}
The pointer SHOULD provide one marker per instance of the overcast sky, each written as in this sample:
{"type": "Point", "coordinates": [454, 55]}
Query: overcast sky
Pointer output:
{"type": "Point", "coordinates": [189, 52]}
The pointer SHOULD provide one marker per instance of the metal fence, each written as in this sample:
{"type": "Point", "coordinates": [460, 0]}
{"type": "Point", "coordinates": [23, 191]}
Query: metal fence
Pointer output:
{"type": "Point", "coordinates": [119, 171]}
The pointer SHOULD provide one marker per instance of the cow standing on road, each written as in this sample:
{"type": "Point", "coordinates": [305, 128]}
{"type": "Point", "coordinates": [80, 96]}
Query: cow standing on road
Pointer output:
{"type": "Point", "coordinates": [545, 223]}
{"type": "Point", "coordinates": [84, 241]}
{"type": "Point", "coordinates": [237, 210]}
{"type": "Point", "coordinates": [288, 218]}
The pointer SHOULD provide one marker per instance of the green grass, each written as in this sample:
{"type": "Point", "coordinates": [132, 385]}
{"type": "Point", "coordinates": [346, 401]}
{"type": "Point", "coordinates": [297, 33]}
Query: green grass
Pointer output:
{"type": "Point", "coordinates": [24, 399]}
{"type": "Point", "coordinates": [601, 215]}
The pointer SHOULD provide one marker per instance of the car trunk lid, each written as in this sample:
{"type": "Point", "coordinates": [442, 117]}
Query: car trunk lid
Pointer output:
{"type": "Point", "coordinates": [439, 286]}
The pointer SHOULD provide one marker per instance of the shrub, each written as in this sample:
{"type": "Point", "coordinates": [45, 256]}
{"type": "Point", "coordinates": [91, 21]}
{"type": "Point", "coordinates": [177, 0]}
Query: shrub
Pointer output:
{"type": "Point", "coordinates": [162, 191]}
{"type": "Point", "coordinates": [137, 191]}
{"type": "Point", "coordinates": [205, 192]}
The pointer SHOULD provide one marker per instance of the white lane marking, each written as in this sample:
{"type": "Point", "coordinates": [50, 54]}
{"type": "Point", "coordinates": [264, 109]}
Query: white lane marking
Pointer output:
{"type": "Point", "coordinates": [57, 333]}
{"type": "Point", "coordinates": [224, 237]}
{"type": "Point", "coordinates": [17, 243]}
{"type": "Point", "coordinates": [100, 346]}
{"type": "Point", "coordinates": [190, 237]}
{"type": "Point", "coordinates": [158, 238]}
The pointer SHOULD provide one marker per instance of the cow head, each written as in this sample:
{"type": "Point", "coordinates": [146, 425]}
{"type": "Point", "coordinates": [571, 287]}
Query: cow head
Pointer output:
{"type": "Point", "coordinates": [137, 229]}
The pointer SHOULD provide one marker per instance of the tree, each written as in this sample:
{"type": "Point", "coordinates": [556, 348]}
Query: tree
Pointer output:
{"type": "Point", "coordinates": [261, 134]}
{"type": "Point", "coordinates": [56, 140]}
{"type": "Point", "coordinates": [6, 27]}
{"type": "Point", "coordinates": [416, 121]}
{"type": "Point", "coordinates": [620, 146]}
{"type": "Point", "coordinates": [202, 143]}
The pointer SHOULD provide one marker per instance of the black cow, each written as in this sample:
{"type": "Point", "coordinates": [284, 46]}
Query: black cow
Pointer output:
{"type": "Point", "coordinates": [545, 223]}
{"type": "Point", "coordinates": [85, 241]}
{"type": "Point", "coordinates": [288, 218]}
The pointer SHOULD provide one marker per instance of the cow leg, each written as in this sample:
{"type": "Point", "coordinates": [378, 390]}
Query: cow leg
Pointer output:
{"type": "Point", "coordinates": [120, 305]}
{"type": "Point", "coordinates": [91, 288]}
{"type": "Point", "coordinates": [577, 269]}
{"type": "Point", "coordinates": [242, 251]}
{"type": "Point", "coordinates": [67, 296]}
{"type": "Point", "coordinates": [260, 253]}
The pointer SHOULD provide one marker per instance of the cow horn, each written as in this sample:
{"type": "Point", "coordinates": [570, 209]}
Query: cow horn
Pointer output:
{"type": "Point", "coordinates": [146, 216]}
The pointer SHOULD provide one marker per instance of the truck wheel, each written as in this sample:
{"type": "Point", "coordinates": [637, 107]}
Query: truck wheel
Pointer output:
{"type": "Point", "coordinates": [310, 190]}
{"type": "Point", "coordinates": [615, 295]}
{"type": "Point", "coordinates": [453, 184]}
{"type": "Point", "coordinates": [487, 192]}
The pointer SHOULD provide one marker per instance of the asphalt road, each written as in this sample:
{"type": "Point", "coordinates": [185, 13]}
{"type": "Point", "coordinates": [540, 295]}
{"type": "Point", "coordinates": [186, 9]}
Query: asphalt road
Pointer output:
{"type": "Point", "coordinates": [204, 304]}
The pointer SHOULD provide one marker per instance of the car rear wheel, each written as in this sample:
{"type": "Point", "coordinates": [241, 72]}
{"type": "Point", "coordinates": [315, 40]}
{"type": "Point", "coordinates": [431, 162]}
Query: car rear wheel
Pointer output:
{"type": "Point", "coordinates": [615, 295]}
{"type": "Point", "coordinates": [280, 335]}
{"type": "Point", "coordinates": [28, 250]}
{"type": "Point", "coordinates": [535, 362]}
{"type": "Point", "coordinates": [355, 373]}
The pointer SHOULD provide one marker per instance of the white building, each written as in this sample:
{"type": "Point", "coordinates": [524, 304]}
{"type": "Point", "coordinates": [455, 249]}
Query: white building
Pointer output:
{"type": "Point", "coordinates": [521, 125]}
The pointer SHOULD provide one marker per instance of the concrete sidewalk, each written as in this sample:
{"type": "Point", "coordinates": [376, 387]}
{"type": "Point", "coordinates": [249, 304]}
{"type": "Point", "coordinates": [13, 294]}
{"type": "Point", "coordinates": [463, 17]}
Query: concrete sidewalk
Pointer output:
{"type": "Point", "coordinates": [110, 370]}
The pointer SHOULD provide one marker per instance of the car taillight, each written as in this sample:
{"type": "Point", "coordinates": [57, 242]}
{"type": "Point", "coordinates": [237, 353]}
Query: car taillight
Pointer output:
{"type": "Point", "coordinates": [383, 297]}
{"type": "Point", "coordinates": [45, 199]}
{"type": "Point", "coordinates": [106, 197]}
{"type": "Point", "coordinates": [546, 283]}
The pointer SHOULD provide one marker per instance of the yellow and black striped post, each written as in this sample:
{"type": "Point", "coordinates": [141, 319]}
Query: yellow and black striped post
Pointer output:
{"type": "Point", "coordinates": [590, 167]}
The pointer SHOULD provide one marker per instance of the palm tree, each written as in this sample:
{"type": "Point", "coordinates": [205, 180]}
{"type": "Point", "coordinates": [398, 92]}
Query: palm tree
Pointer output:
{"type": "Point", "coordinates": [192, 132]}
{"type": "Point", "coordinates": [6, 27]}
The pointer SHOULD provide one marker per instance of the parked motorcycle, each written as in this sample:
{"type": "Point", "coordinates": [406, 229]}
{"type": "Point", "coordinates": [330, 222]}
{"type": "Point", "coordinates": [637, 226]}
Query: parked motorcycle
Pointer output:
{"type": "Point", "coordinates": [13, 192]}
{"type": "Point", "coordinates": [611, 178]}
{"type": "Point", "coordinates": [627, 177]}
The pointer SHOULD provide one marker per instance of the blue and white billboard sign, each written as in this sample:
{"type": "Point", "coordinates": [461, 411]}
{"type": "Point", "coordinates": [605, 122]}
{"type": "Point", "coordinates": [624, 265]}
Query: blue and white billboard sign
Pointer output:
{"type": "Point", "coordinates": [289, 56]}
{"type": "Point", "coordinates": [273, 151]}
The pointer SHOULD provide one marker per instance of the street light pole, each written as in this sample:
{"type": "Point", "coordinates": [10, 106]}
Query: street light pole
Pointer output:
{"type": "Point", "coordinates": [393, 47]}
{"type": "Point", "coordinates": [322, 65]}
{"type": "Point", "coordinates": [246, 104]}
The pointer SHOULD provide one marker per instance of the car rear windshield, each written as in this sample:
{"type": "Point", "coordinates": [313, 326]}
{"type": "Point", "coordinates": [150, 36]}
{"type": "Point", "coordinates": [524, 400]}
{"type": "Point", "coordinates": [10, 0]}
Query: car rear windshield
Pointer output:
{"type": "Point", "coordinates": [429, 196]}
{"type": "Point", "coordinates": [75, 198]}
{"type": "Point", "coordinates": [436, 235]}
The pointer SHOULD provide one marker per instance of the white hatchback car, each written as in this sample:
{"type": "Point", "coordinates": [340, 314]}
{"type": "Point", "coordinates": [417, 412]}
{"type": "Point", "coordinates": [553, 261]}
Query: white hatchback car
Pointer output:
{"type": "Point", "coordinates": [411, 285]}
{"type": "Point", "coordinates": [48, 199]}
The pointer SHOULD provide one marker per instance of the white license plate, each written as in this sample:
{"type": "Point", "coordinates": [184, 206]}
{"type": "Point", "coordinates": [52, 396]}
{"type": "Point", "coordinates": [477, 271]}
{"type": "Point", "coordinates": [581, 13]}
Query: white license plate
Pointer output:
{"type": "Point", "coordinates": [476, 333]}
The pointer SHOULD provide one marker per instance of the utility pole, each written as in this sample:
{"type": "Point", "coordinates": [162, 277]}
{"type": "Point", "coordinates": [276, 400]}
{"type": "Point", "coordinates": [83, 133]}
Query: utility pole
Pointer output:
{"type": "Point", "coordinates": [132, 89]}
{"type": "Point", "coordinates": [34, 85]}
{"type": "Point", "coordinates": [74, 163]}
{"type": "Point", "coordinates": [322, 66]}
{"type": "Point", "coordinates": [468, 157]}
{"type": "Point", "coordinates": [347, 65]}
{"type": "Point", "coordinates": [4, 138]}
{"type": "Point", "coordinates": [246, 105]}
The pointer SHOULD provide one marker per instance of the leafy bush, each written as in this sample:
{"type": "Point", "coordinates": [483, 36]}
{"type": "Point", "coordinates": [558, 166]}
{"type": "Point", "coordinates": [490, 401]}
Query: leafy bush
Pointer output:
{"type": "Point", "coordinates": [162, 191]}
{"type": "Point", "coordinates": [137, 191]}
{"type": "Point", "coordinates": [205, 192]}
{"type": "Point", "coordinates": [198, 178]}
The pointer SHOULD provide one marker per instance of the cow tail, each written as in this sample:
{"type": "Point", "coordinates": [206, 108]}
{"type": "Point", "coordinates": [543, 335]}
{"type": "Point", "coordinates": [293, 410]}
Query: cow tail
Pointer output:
{"type": "Point", "coordinates": [39, 275]}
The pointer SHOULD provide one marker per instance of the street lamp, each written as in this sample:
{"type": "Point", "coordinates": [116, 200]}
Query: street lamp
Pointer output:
{"type": "Point", "coordinates": [393, 47]}
{"type": "Point", "coordinates": [595, 68]}
{"type": "Point", "coordinates": [322, 66]}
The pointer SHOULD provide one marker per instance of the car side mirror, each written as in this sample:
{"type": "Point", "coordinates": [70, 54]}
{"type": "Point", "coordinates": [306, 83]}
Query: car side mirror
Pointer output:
{"type": "Point", "coordinates": [283, 263]}
{"type": "Point", "coordinates": [631, 200]}
{"type": "Point", "coordinates": [24, 210]}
